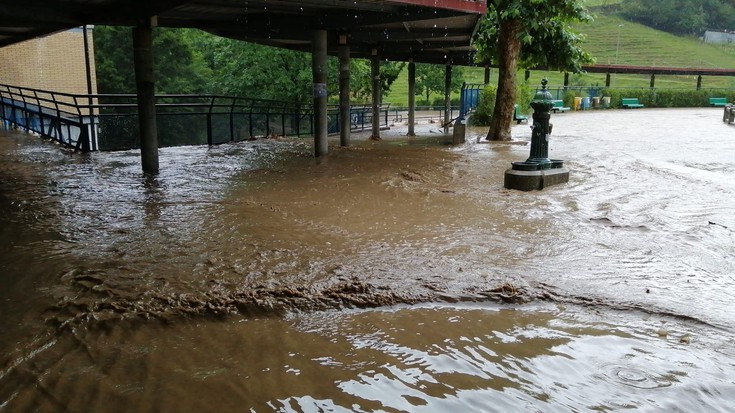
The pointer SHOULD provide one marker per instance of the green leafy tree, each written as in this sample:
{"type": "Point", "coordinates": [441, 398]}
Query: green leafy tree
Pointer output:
{"type": "Point", "coordinates": [361, 83]}
{"type": "Point", "coordinates": [431, 78]}
{"type": "Point", "coordinates": [177, 65]}
{"type": "Point", "coordinates": [523, 34]}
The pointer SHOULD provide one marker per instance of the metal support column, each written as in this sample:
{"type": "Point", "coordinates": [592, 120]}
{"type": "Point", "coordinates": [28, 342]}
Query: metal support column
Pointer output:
{"type": "Point", "coordinates": [447, 96]}
{"type": "Point", "coordinates": [319, 74]}
{"type": "Point", "coordinates": [90, 90]}
{"type": "Point", "coordinates": [699, 82]}
{"type": "Point", "coordinates": [653, 80]}
{"type": "Point", "coordinates": [487, 75]}
{"type": "Point", "coordinates": [145, 84]}
{"type": "Point", "coordinates": [375, 76]}
{"type": "Point", "coordinates": [411, 97]}
{"type": "Point", "coordinates": [607, 79]}
{"type": "Point", "coordinates": [344, 91]}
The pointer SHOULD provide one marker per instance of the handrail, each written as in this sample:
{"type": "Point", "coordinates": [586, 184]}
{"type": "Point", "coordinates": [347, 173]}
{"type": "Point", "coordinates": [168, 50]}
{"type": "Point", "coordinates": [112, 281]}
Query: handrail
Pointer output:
{"type": "Point", "coordinates": [109, 121]}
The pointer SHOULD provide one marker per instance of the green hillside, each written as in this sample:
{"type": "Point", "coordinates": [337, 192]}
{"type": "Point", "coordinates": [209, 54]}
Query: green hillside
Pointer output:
{"type": "Point", "coordinates": [612, 40]}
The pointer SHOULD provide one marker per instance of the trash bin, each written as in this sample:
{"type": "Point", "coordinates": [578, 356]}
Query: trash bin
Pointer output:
{"type": "Point", "coordinates": [606, 102]}
{"type": "Point", "coordinates": [577, 103]}
{"type": "Point", "coordinates": [596, 102]}
{"type": "Point", "coordinates": [585, 103]}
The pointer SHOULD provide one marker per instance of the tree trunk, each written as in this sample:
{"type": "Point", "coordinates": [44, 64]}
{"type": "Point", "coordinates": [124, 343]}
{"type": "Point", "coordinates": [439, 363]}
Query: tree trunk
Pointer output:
{"type": "Point", "coordinates": [510, 45]}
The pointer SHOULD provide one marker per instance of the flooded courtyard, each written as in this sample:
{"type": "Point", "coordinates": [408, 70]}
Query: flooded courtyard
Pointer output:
{"type": "Point", "coordinates": [393, 276]}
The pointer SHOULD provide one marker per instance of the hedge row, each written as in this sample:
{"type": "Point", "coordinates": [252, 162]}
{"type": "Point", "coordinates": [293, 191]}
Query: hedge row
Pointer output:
{"type": "Point", "coordinates": [658, 98]}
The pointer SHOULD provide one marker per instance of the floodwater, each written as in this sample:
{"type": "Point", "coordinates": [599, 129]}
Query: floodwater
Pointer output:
{"type": "Point", "coordinates": [393, 276]}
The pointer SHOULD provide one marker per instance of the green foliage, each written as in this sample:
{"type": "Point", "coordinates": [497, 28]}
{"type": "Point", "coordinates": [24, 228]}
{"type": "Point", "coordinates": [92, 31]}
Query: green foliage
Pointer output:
{"type": "Point", "coordinates": [569, 96]}
{"type": "Point", "coordinates": [546, 33]}
{"type": "Point", "coordinates": [528, 33]}
{"type": "Point", "coordinates": [430, 79]}
{"type": "Point", "coordinates": [681, 16]}
{"type": "Point", "coordinates": [360, 78]}
{"type": "Point", "coordinates": [192, 61]}
{"type": "Point", "coordinates": [178, 68]}
{"type": "Point", "coordinates": [524, 96]}
{"type": "Point", "coordinates": [667, 98]}
{"type": "Point", "coordinates": [485, 106]}
{"type": "Point", "coordinates": [438, 103]}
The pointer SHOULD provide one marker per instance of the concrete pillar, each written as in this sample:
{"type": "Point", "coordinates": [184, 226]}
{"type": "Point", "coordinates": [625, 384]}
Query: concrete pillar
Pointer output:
{"type": "Point", "coordinates": [447, 96]}
{"type": "Point", "coordinates": [411, 97]}
{"type": "Point", "coordinates": [375, 76]}
{"type": "Point", "coordinates": [344, 91]}
{"type": "Point", "coordinates": [319, 75]}
{"type": "Point", "coordinates": [145, 85]}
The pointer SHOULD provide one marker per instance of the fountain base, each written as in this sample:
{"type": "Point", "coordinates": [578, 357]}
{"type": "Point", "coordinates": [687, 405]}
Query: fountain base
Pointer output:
{"type": "Point", "coordinates": [531, 180]}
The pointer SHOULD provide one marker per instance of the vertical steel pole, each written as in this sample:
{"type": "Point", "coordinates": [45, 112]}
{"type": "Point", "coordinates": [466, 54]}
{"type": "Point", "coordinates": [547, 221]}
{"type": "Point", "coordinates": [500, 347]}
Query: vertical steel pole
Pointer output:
{"type": "Point", "coordinates": [344, 91]}
{"type": "Point", "coordinates": [88, 67]}
{"type": "Point", "coordinates": [375, 76]}
{"type": "Point", "coordinates": [411, 97]}
{"type": "Point", "coordinates": [145, 84]}
{"type": "Point", "coordinates": [447, 96]}
{"type": "Point", "coordinates": [319, 74]}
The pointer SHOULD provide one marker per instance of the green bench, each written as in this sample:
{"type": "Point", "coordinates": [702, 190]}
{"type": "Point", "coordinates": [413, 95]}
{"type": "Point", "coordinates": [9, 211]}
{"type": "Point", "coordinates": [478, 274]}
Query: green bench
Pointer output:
{"type": "Point", "coordinates": [518, 116]}
{"type": "Point", "coordinates": [721, 102]}
{"type": "Point", "coordinates": [631, 103]}
{"type": "Point", "coordinates": [559, 106]}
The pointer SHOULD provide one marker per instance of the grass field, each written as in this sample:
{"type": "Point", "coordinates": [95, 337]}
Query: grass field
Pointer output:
{"type": "Point", "coordinates": [612, 40]}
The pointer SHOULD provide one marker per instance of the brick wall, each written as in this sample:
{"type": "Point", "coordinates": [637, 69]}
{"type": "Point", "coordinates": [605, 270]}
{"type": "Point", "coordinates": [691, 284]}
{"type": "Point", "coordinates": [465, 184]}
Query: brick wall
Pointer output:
{"type": "Point", "coordinates": [54, 62]}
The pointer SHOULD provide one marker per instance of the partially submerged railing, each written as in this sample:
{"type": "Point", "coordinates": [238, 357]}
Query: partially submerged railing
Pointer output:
{"type": "Point", "coordinates": [110, 121]}
{"type": "Point", "coordinates": [63, 117]}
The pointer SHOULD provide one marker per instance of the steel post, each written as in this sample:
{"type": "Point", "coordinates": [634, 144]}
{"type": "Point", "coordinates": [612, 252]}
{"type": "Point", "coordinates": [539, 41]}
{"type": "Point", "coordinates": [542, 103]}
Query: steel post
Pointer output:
{"type": "Point", "coordinates": [344, 91]}
{"type": "Point", "coordinates": [411, 97]}
{"type": "Point", "coordinates": [375, 76]}
{"type": "Point", "coordinates": [319, 74]}
{"type": "Point", "coordinates": [447, 96]}
{"type": "Point", "coordinates": [145, 85]}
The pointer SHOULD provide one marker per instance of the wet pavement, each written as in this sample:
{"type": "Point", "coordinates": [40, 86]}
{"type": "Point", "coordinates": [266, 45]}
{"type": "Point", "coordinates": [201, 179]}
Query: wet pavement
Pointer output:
{"type": "Point", "coordinates": [238, 278]}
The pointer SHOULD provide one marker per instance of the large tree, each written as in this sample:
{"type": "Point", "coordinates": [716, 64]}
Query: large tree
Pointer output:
{"type": "Point", "coordinates": [179, 68]}
{"type": "Point", "coordinates": [519, 34]}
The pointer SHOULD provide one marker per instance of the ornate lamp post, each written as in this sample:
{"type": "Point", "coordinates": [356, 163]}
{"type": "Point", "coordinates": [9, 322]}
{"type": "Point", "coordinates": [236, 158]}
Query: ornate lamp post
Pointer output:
{"type": "Point", "coordinates": [538, 171]}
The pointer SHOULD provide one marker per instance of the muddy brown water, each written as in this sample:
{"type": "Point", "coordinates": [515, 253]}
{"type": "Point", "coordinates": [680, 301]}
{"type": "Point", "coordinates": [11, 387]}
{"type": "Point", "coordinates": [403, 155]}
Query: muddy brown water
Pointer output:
{"type": "Point", "coordinates": [393, 276]}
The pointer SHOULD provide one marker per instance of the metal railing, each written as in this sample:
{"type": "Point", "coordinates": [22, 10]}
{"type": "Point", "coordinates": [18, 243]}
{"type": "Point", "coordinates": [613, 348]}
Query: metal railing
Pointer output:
{"type": "Point", "coordinates": [59, 116]}
{"type": "Point", "coordinates": [110, 121]}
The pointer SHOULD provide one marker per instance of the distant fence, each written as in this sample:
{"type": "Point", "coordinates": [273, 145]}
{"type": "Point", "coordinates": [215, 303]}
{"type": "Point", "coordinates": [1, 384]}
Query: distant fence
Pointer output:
{"type": "Point", "coordinates": [110, 121]}
{"type": "Point", "coordinates": [668, 97]}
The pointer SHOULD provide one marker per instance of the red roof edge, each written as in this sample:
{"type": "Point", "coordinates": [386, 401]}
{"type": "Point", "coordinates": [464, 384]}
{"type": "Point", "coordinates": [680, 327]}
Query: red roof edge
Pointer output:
{"type": "Point", "coordinates": [469, 6]}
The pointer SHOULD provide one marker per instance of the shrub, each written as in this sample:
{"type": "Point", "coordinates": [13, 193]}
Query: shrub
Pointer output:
{"type": "Point", "coordinates": [438, 103]}
{"type": "Point", "coordinates": [524, 95]}
{"type": "Point", "coordinates": [485, 107]}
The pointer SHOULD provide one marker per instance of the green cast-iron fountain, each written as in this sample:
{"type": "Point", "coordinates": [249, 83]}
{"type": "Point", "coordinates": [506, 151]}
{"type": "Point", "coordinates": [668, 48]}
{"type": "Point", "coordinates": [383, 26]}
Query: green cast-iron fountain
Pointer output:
{"type": "Point", "coordinates": [538, 171]}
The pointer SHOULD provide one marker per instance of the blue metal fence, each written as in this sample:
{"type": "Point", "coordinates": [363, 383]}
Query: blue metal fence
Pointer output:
{"type": "Point", "coordinates": [110, 121]}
